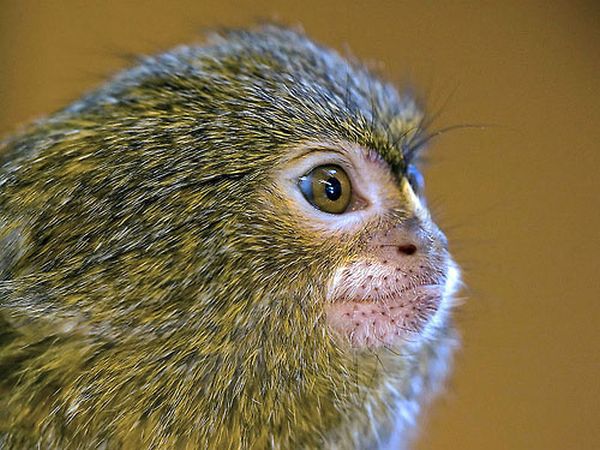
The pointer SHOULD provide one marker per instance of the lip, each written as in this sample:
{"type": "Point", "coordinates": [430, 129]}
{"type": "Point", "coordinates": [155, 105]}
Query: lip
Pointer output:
{"type": "Point", "coordinates": [386, 319]}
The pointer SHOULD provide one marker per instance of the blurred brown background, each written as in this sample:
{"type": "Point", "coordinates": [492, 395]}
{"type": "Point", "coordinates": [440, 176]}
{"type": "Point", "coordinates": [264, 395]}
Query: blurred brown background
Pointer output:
{"type": "Point", "coordinates": [519, 200]}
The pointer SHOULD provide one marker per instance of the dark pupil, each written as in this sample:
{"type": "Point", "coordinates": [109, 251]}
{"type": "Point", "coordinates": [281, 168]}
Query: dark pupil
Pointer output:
{"type": "Point", "coordinates": [333, 189]}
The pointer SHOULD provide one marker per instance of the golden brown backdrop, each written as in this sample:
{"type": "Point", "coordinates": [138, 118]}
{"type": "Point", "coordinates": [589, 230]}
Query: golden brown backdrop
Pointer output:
{"type": "Point", "coordinates": [520, 200]}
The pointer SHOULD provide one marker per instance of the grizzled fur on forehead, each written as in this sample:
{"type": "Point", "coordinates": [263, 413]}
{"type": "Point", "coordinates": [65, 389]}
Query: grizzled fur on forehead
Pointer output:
{"type": "Point", "coordinates": [270, 88]}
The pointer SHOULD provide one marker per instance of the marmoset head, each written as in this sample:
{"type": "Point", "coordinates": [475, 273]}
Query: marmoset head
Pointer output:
{"type": "Point", "coordinates": [233, 245]}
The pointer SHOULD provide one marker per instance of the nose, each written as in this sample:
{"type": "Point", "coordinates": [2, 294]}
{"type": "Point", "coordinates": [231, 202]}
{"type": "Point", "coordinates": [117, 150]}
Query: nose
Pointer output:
{"type": "Point", "coordinates": [404, 241]}
{"type": "Point", "coordinates": [397, 245]}
{"type": "Point", "coordinates": [407, 248]}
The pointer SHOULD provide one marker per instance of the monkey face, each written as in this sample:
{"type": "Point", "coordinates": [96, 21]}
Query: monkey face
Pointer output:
{"type": "Point", "coordinates": [398, 278]}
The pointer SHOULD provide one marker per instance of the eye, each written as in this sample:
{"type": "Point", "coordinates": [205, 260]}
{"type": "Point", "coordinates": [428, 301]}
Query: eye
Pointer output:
{"type": "Point", "coordinates": [327, 188]}
{"type": "Point", "coordinates": [415, 179]}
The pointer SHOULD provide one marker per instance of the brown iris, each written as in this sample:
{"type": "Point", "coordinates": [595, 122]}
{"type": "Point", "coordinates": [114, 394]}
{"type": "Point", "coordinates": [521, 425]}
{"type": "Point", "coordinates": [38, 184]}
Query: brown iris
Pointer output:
{"type": "Point", "coordinates": [327, 188]}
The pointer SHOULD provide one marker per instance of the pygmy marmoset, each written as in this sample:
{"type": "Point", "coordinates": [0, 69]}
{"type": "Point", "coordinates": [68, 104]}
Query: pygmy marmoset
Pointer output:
{"type": "Point", "coordinates": [225, 247]}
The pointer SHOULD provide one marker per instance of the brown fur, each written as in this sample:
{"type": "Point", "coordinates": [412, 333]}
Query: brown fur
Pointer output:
{"type": "Point", "coordinates": [155, 291]}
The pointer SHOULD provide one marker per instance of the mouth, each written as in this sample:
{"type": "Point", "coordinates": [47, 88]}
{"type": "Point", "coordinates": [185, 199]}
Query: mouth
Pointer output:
{"type": "Point", "coordinates": [387, 320]}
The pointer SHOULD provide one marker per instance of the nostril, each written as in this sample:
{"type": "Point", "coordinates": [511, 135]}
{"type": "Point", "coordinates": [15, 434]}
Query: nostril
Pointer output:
{"type": "Point", "coordinates": [407, 249]}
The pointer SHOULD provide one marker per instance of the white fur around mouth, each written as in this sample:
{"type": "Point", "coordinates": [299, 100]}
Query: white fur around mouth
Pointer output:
{"type": "Point", "coordinates": [385, 321]}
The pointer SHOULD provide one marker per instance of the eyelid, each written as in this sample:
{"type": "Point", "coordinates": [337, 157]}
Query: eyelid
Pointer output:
{"type": "Point", "coordinates": [336, 159]}
{"type": "Point", "coordinates": [340, 162]}
{"type": "Point", "coordinates": [313, 150]}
